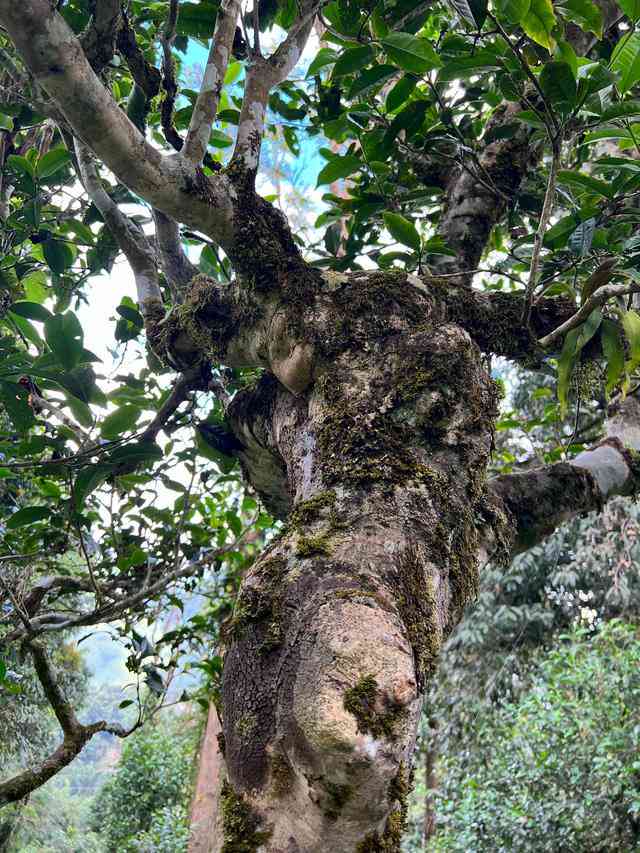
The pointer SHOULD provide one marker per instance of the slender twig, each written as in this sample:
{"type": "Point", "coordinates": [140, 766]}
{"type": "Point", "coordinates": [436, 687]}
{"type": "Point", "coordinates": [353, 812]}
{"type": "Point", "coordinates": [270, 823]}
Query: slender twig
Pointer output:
{"type": "Point", "coordinates": [602, 295]}
{"type": "Point", "coordinates": [547, 208]}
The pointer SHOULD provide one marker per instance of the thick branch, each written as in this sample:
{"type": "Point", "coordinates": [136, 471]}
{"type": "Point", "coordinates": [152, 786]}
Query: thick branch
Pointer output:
{"type": "Point", "coordinates": [206, 106]}
{"type": "Point", "coordinates": [477, 197]}
{"type": "Point", "coordinates": [55, 58]}
{"type": "Point", "coordinates": [529, 506]}
{"type": "Point", "coordinates": [99, 39]}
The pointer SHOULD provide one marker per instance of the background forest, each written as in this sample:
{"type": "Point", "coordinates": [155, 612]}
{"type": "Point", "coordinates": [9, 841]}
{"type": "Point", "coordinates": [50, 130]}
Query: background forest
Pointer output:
{"type": "Point", "coordinates": [529, 736]}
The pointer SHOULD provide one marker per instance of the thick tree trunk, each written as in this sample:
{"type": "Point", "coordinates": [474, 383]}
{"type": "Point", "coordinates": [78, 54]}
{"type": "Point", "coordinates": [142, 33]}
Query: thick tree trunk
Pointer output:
{"type": "Point", "coordinates": [338, 624]}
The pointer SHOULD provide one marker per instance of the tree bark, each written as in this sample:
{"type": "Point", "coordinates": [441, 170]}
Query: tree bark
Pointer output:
{"type": "Point", "coordinates": [379, 466]}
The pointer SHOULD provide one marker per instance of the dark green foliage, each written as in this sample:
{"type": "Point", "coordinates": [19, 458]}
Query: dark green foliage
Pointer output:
{"type": "Point", "coordinates": [557, 767]}
{"type": "Point", "coordinates": [150, 789]}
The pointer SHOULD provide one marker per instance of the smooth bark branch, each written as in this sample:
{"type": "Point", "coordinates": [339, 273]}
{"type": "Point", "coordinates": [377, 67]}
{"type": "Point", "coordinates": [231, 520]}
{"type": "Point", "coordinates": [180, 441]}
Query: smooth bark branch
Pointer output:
{"type": "Point", "coordinates": [175, 264]}
{"type": "Point", "coordinates": [262, 76]}
{"type": "Point", "coordinates": [54, 56]}
{"type": "Point", "coordinates": [75, 734]}
{"type": "Point", "coordinates": [206, 106]}
{"type": "Point", "coordinates": [129, 236]}
{"type": "Point", "coordinates": [537, 501]}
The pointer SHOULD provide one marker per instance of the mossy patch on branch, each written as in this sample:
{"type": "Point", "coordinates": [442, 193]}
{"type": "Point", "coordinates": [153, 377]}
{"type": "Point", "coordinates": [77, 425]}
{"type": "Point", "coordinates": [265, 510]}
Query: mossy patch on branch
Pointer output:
{"type": "Point", "coordinates": [337, 798]}
{"type": "Point", "coordinates": [362, 700]}
{"type": "Point", "coordinates": [240, 824]}
{"type": "Point", "coordinates": [391, 839]}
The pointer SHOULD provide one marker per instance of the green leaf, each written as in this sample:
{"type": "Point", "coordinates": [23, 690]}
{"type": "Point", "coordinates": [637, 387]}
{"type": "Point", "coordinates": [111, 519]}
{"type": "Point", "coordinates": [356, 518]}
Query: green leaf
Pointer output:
{"type": "Point", "coordinates": [411, 53]}
{"type": "Point", "coordinates": [513, 11]}
{"type": "Point", "coordinates": [35, 286]}
{"type": "Point", "coordinates": [559, 86]}
{"type": "Point", "coordinates": [625, 61]}
{"type": "Point", "coordinates": [130, 313]}
{"type": "Point", "coordinates": [3, 671]}
{"type": "Point", "coordinates": [28, 515]}
{"type": "Point", "coordinates": [631, 326]}
{"type": "Point", "coordinates": [631, 8]}
{"type": "Point", "coordinates": [584, 13]}
{"type": "Point", "coordinates": [565, 368]}
{"type": "Point", "coordinates": [136, 453]}
{"type": "Point", "coordinates": [63, 333]}
{"type": "Point", "coordinates": [581, 239]}
{"type": "Point", "coordinates": [575, 340]}
{"type": "Point", "coordinates": [402, 230]}
{"type": "Point", "coordinates": [87, 481]}
{"type": "Point", "coordinates": [32, 311]}
{"type": "Point", "coordinates": [613, 350]}
{"type": "Point", "coordinates": [400, 93]}
{"type": "Point", "coordinates": [474, 12]}
{"type": "Point", "coordinates": [26, 329]}
{"type": "Point", "coordinates": [353, 59]}
{"type": "Point", "coordinates": [557, 236]}
{"type": "Point", "coordinates": [580, 181]}
{"type": "Point", "coordinates": [15, 399]}
{"type": "Point", "coordinates": [218, 139]}
{"type": "Point", "coordinates": [53, 160]}
{"type": "Point", "coordinates": [339, 167]}
{"type": "Point", "coordinates": [58, 255]}
{"type": "Point", "coordinates": [21, 165]}
{"type": "Point", "coordinates": [325, 56]}
{"type": "Point", "coordinates": [539, 22]}
{"type": "Point", "coordinates": [122, 420]}
{"type": "Point", "coordinates": [371, 79]}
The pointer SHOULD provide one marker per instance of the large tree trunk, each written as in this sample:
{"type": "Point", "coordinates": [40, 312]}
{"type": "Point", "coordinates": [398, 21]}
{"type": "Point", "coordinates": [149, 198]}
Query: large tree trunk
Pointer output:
{"type": "Point", "coordinates": [339, 623]}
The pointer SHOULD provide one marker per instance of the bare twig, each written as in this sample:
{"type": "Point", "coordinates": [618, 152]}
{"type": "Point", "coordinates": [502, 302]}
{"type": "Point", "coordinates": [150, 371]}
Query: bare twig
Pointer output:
{"type": "Point", "coordinates": [545, 215]}
{"type": "Point", "coordinates": [601, 296]}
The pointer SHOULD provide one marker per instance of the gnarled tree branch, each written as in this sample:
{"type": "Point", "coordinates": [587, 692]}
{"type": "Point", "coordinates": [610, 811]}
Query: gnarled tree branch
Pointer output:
{"type": "Point", "coordinates": [76, 735]}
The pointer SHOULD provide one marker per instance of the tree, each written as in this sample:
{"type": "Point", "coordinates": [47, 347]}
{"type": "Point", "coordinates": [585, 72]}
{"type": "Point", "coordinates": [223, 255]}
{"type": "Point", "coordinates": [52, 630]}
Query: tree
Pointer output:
{"type": "Point", "coordinates": [355, 383]}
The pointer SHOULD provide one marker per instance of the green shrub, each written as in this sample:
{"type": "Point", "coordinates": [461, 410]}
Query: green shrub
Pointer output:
{"type": "Point", "coordinates": [559, 768]}
{"type": "Point", "coordinates": [143, 807]}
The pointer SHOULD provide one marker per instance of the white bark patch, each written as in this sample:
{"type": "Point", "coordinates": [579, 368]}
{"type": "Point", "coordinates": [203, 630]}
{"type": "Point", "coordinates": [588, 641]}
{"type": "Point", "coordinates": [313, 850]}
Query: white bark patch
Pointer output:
{"type": "Point", "coordinates": [607, 466]}
{"type": "Point", "coordinates": [417, 283]}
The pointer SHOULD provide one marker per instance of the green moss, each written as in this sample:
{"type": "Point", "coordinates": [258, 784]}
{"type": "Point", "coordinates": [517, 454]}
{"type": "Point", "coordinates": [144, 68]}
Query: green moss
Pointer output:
{"type": "Point", "coordinates": [312, 546]}
{"type": "Point", "coordinates": [222, 744]}
{"type": "Point", "coordinates": [261, 606]}
{"type": "Point", "coordinates": [417, 605]}
{"type": "Point", "coordinates": [391, 839]}
{"type": "Point", "coordinates": [282, 774]}
{"type": "Point", "coordinates": [308, 512]}
{"type": "Point", "coordinates": [362, 700]}
{"type": "Point", "coordinates": [241, 833]}
{"type": "Point", "coordinates": [337, 798]}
